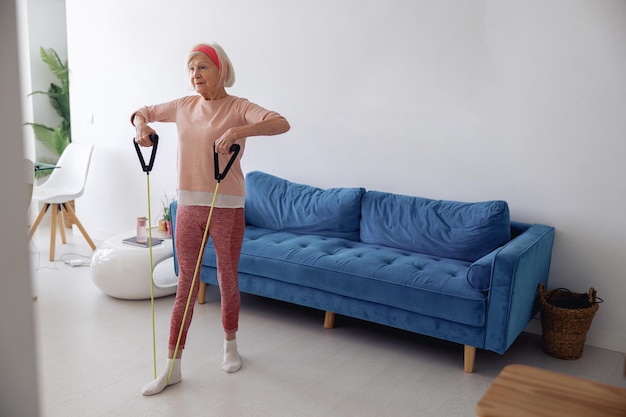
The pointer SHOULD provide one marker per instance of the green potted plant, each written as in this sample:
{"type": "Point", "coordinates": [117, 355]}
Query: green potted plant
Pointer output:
{"type": "Point", "coordinates": [55, 138]}
{"type": "Point", "coordinates": [165, 222]}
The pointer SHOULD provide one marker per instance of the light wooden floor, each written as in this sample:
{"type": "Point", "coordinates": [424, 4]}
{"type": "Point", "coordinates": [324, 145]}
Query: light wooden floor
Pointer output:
{"type": "Point", "coordinates": [95, 353]}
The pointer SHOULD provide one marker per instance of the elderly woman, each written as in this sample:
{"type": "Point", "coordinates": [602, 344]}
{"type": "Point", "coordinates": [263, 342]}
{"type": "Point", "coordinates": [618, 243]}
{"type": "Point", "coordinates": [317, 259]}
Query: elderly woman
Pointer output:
{"type": "Point", "coordinates": [210, 117]}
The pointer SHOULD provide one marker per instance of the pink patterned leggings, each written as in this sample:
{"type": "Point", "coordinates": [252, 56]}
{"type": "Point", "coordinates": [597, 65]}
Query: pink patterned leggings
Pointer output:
{"type": "Point", "coordinates": [226, 231]}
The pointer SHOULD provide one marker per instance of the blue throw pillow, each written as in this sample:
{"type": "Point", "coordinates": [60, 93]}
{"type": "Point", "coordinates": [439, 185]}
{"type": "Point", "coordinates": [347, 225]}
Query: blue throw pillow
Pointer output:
{"type": "Point", "coordinates": [448, 229]}
{"type": "Point", "coordinates": [277, 204]}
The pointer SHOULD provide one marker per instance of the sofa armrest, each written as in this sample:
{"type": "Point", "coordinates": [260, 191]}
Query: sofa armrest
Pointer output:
{"type": "Point", "coordinates": [518, 268]}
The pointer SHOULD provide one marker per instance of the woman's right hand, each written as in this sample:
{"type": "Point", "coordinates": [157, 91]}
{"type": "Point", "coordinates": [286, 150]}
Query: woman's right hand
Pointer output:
{"type": "Point", "coordinates": [143, 131]}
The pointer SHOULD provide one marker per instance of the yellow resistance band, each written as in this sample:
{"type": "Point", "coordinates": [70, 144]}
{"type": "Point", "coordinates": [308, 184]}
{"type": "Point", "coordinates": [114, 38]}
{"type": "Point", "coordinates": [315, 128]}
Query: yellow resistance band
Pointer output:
{"type": "Point", "coordinates": [151, 278]}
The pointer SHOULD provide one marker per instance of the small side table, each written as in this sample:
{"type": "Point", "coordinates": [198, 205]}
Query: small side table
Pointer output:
{"type": "Point", "coordinates": [525, 391]}
{"type": "Point", "coordinates": [122, 271]}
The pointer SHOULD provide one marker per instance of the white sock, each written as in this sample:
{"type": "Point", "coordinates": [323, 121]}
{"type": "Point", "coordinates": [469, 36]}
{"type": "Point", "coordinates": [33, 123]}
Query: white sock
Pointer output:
{"type": "Point", "coordinates": [159, 384]}
{"type": "Point", "coordinates": [232, 360]}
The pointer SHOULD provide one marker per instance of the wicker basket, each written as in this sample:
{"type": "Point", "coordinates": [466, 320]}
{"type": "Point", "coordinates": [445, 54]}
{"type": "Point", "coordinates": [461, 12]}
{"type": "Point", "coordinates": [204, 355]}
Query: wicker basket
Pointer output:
{"type": "Point", "coordinates": [565, 319]}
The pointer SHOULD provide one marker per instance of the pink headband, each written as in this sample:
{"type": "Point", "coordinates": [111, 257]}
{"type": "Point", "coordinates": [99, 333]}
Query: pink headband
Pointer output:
{"type": "Point", "coordinates": [210, 52]}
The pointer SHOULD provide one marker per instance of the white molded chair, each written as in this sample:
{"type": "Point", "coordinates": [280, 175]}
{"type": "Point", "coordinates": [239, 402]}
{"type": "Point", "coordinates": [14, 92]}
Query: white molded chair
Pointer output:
{"type": "Point", "coordinates": [66, 183]}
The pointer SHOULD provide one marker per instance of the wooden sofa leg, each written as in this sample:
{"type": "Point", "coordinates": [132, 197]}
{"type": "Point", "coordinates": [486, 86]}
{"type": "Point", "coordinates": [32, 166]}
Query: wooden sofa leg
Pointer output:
{"type": "Point", "coordinates": [470, 355]}
{"type": "Point", "coordinates": [202, 293]}
{"type": "Point", "coordinates": [329, 320]}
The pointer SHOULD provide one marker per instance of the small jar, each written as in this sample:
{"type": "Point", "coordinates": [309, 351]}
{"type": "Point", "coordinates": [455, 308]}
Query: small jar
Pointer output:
{"type": "Point", "coordinates": [142, 231]}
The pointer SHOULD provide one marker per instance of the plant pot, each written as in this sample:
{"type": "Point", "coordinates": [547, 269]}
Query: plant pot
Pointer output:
{"type": "Point", "coordinates": [162, 226]}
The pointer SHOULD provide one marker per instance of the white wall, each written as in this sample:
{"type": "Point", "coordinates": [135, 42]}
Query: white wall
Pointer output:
{"type": "Point", "coordinates": [469, 100]}
{"type": "Point", "coordinates": [18, 389]}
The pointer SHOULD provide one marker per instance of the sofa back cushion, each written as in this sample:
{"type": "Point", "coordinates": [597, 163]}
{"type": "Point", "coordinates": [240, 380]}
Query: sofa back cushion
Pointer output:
{"type": "Point", "coordinates": [448, 229]}
{"type": "Point", "coordinates": [277, 204]}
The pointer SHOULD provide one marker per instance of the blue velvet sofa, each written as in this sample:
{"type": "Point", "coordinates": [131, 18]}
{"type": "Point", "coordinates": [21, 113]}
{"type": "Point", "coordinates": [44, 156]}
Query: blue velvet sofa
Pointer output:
{"type": "Point", "coordinates": [457, 271]}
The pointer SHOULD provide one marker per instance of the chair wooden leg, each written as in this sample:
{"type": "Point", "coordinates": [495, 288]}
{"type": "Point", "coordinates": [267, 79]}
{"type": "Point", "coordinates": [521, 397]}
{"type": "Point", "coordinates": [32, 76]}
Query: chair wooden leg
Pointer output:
{"type": "Point", "coordinates": [38, 220]}
{"type": "Point", "coordinates": [61, 225]}
{"type": "Point", "coordinates": [79, 225]}
{"type": "Point", "coordinates": [202, 293]}
{"type": "Point", "coordinates": [53, 231]}
{"type": "Point", "coordinates": [329, 320]}
{"type": "Point", "coordinates": [470, 355]}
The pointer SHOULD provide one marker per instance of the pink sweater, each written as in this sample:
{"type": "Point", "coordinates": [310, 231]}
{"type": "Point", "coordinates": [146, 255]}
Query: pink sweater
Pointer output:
{"type": "Point", "coordinates": [200, 123]}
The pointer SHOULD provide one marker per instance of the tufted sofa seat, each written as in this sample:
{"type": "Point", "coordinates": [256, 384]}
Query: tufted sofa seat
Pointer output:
{"type": "Point", "coordinates": [410, 281]}
{"type": "Point", "coordinates": [461, 272]}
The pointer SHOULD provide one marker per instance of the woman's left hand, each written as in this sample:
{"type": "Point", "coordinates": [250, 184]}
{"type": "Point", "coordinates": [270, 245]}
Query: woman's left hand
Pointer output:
{"type": "Point", "coordinates": [225, 142]}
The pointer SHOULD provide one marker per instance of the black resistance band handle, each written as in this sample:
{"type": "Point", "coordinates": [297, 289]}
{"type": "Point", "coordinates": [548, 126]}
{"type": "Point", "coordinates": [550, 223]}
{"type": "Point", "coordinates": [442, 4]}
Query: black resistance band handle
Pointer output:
{"type": "Point", "coordinates": [219, 176]}
{"type": "Point", "coordinates": [155, 143]}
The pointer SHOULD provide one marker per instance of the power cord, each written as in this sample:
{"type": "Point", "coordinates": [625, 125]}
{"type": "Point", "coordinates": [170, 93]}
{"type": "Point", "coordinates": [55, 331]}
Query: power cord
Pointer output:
{"type": "Point", "coordinates": [75, 259]}
{"type": "Point", "coordinates": [71, 259]}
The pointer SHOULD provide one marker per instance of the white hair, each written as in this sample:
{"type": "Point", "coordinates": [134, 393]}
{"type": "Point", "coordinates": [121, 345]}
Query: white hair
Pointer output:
{"type": "Point", "coordinates": [227, 72]}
